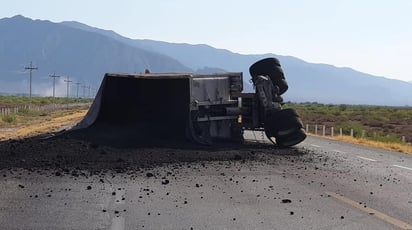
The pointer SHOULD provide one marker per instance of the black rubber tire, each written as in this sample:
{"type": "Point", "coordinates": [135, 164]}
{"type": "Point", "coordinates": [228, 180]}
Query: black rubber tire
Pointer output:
{"type": "Point", "coordinates": [285, 125]}
{"type": "Point", "coordinates": [284, 121]}
{"type": "Point", "coordinates": [285, 113]}
{"type": "Point", "coordinates": [267, 67]}
{"type": "Point", "coordinates": [282, 116]}
{"type": "Point", "coordinates": [282, 84]}
{"type": "Point", "coordinates": [196, 134]}
{"type": "Point", "coordinates": [283, 128]}
{"type": "Point", "coordinates": [298, 136]}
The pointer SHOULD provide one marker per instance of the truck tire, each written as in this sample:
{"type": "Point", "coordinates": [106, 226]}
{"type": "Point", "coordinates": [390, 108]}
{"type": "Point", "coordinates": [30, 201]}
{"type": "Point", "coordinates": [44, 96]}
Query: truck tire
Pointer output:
{"type": "Point", "coordinates": [298, 136]}
{"type": "Point", "coordinates": [195, 133]}
{"type": "Point", "coordinates": [267, 67]}
{"type": "Point", "coordinates": [286, 127]}
{"type": "Point", "coordinates": [270, 67]}
{"type": "Point", "coordinates": [283, 119]}
{"type": "Point", "coordinates": [282, 84]}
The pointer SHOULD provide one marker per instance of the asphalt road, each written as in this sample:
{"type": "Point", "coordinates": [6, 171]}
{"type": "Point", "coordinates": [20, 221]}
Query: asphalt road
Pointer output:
{"type": "Point", "coordinates": [320, 184]}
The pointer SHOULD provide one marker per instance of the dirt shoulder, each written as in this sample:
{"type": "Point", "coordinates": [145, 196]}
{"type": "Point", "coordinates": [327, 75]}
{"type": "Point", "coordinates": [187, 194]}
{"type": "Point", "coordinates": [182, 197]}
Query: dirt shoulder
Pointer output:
{"type": "Point", "coordinates": [46, 125]}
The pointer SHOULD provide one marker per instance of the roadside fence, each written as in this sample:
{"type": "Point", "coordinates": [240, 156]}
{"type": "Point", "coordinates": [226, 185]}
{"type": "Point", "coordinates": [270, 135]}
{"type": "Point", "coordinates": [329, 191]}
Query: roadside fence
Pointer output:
{"type": "Point", "coordinates": [322, 130]}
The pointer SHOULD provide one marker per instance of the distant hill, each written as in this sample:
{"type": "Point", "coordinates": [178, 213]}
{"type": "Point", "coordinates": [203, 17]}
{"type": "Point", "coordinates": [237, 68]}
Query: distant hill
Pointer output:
{"type": "Point", "coordinates": [83, 56]}
{"type": "Point", "coordinates": [308, 82]}
{"type": "Point", "coordinates": [85, 53]}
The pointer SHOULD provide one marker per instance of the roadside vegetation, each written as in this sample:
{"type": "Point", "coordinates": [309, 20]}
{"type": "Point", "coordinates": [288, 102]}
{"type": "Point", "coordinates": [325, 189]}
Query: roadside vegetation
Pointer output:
{"type": "Point", "coordinates": [26, 116]}
{"type": "Point", "coordinates": [12, 101]}
{"type": "Point", "coordinates": [379, 126]}
{"type": "Point", "coordinates": [38, 125]}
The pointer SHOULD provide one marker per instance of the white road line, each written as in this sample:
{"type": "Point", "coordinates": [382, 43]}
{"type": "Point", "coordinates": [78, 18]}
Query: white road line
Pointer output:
{"type": "Point", "coordinates": [317, 146]}
{"type": "Point", "coordinates": [365, 158]}
{"type": "Point", "coordinates": [389, 219]}
{"type": "Point", "coordinates": [403, 167]}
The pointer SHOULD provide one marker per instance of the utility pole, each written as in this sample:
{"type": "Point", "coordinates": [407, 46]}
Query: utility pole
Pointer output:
{"type": "Point", "coordinates": [93, 94]}
{"type": "Point", "coordinates": [54, 76]}
{"type": "Point", "coordinates": [30, 68]}
{"type": "Point", "coordinates": [84, 91]}
{"type": "Point", "coordinates": [78, 85]}
{"type": "Point", "coordinates": [68, 85]}
{"type": "Point", "coordinates": [89, 90]}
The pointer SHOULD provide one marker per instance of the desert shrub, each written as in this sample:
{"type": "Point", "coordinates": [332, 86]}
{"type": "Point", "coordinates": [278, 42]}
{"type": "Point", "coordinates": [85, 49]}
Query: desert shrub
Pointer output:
{"type": "Point", "coordinates": [337, 113]}
{"type": "Point", "coordinates": [8, 118]}
{"type": "Point", "coordinates": [322, 112]}
{"type": "Point", "coordinates": [44, 101]}
{"type": "Point", "coordinates": [343, 107]}
{"type": "Point", "coordinates": [30, 112]}
{"type": "Point", "coordinates": [346, 127]}
{"type": "Point", "coordinates": [377, 120]}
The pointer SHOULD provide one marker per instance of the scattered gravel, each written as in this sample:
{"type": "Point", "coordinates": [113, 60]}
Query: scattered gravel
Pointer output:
{"type": "Point", "coordinates": [149, 174]}
{"type": "Point", "coordinates": [285, 201]}
{"type": "Point", "coordinates": [74, 159]}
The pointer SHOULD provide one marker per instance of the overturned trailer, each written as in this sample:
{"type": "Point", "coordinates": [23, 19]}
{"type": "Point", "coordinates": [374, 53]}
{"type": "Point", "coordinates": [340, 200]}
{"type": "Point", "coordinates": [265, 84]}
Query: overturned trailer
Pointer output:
{"type": "Point", "coordinates": [140, 109]}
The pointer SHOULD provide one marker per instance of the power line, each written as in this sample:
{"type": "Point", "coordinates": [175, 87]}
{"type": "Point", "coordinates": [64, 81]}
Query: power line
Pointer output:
{"type": "Point", "coordinates": [68, 85]}
{"type": "Point", "coordinates": [30, 68]}
{"type": "Point", "coordinates": [54, 76]}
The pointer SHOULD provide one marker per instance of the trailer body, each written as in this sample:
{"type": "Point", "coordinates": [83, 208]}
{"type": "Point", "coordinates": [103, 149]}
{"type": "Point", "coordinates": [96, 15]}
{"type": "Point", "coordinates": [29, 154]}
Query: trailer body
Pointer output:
{"type": "Point", "coordinates": [136, 109]}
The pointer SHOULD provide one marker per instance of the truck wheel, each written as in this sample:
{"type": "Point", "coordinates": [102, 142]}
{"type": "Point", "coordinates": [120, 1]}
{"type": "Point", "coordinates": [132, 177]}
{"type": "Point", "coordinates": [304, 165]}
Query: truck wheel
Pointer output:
{"type": "Point", "coordinates": [291, 122]}
{"type": "Point", "coordinates": [284, 128]}
{"type": "Point", "coordinates": [267, 67]}
{"type": "Point", "coordinates": [298, 136]}
{"type": "Point", "coordinates": [283, 125]}
{"type": "Point", "coordinates": [282, 84]}
{"type": "Point", "coordinates": [281, 120]}
{"type": "Point", "coordinates": [284, 113]}
{"type": "Point", "coordinates": [263, 66]}
{"type": "Point", "coordinates": [196, 133]}
{"type": "Point", "coordinates": [287, 131]}
{"type": "Point", "coordinates": [270, 67]}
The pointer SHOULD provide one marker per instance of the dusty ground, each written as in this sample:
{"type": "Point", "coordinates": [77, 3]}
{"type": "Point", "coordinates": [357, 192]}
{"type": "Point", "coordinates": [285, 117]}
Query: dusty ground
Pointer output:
{"type": "Point", "coordinates": [25, 147]}
{"type": "Point", "coordinates": [41, 127]}
{"type": "Point", "coordinates": [64, 155]}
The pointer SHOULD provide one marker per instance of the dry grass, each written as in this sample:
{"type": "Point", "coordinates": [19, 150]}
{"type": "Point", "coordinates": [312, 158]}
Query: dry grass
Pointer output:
{"type": "Point", "coordinates": [381, 122]}
{"type": "Point", "coordinates": [47, 124]}
{"type": "Point", "coordinates": [403, 148]}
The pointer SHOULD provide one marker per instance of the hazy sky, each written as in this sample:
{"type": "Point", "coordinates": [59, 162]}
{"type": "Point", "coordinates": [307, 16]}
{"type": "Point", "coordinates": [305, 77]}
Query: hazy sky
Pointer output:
{"type": "Point", "coordinates": [372, 36]}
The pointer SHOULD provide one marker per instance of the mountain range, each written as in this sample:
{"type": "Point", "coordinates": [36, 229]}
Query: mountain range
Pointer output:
{"type": "Point", "coordinates": [85, 53]}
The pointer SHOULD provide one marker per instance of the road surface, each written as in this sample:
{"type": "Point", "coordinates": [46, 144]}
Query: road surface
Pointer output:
{"type": "Point", "coordinates": [320, 184]}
